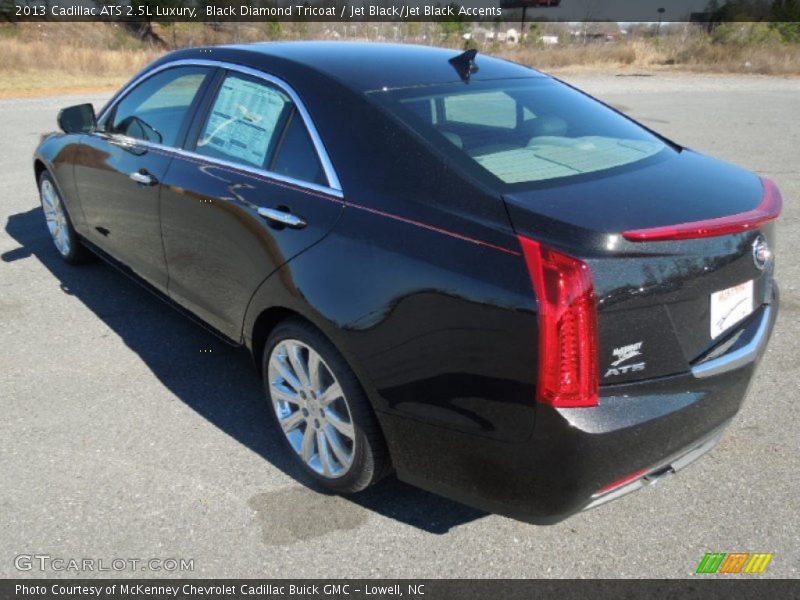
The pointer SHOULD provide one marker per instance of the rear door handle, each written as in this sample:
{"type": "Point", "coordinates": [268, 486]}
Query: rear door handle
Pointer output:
{"type": "Point", "coordinates": [143, 177]}
{"type": "Point", "coordinates": [283, 217]}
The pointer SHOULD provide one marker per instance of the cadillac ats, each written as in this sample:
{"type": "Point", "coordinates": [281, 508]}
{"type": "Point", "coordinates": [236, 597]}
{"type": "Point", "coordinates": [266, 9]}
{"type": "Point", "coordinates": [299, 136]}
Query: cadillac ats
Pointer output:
{"type": "Point", "coordinates": [446, 266]}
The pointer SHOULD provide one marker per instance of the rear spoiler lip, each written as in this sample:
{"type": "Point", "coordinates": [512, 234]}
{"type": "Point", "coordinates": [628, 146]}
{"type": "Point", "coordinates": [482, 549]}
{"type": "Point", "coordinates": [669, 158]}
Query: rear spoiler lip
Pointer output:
{"type": "Point", "coordinates": [768, 210]}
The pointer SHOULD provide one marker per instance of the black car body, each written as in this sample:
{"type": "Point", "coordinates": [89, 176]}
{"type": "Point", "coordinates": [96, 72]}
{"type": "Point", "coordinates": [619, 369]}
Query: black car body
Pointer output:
{"type": "Point", "coordinates": [531, 347]}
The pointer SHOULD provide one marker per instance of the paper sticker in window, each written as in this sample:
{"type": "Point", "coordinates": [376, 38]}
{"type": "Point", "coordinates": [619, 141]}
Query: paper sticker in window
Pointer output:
{"type": "Point", "coordinates": [242, 121]}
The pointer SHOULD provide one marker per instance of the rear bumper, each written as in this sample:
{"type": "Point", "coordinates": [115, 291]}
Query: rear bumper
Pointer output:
{"type": "Point", "coordinates": [645, 428]}
{"type": "Point", "coordinates": [655, 473]}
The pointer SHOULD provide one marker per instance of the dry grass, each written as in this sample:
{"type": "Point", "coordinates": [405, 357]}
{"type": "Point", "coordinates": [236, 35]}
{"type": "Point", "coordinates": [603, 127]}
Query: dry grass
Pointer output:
{"type": "Point", "coordinates": [586, 56]}
{"type": "Point", "coordinates": [24, 68]}
{"type": "Point", "coordinates": [53, 83]}
{"type": "Point", "coordinates": [764, 59]}
{"type": "Point", "coordinates": [696, 54]}
{"type": "Point", "coordinates": [71, 57]}
{"type": "Point", "coordinates": [65, 57]}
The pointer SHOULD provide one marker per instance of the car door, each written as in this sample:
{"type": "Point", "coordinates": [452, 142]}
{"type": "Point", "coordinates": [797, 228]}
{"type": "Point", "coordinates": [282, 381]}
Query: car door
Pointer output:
{"type": "Point", "coordinates": [252, 188]}
{"type": "Point", "coordinates": [120, 166]}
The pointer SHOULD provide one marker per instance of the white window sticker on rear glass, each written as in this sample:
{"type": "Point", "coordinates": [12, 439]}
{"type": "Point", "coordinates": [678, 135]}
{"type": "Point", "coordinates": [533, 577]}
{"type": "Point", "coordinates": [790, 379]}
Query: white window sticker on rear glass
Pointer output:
{"type": "Point", "coordinates": [242, 121]}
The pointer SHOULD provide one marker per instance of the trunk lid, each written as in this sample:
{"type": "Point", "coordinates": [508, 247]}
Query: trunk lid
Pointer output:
{"type": "Point", "coordinates": [655, 297]}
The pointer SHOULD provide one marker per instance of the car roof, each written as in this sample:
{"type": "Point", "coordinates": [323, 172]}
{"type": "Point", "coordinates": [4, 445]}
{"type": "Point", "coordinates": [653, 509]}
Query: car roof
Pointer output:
{"type": "Point", "coordinates": [365, 66]}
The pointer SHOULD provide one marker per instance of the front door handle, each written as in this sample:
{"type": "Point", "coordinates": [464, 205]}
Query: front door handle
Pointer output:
{"type": "Point", "coordinates": [143, 177]}
{"type": "Point", "coordinates": [283, 217]}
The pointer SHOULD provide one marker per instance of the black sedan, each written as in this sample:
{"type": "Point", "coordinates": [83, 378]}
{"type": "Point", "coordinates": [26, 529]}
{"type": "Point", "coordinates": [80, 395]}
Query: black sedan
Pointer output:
{"type": "Point", "coordinates": [445, 265]}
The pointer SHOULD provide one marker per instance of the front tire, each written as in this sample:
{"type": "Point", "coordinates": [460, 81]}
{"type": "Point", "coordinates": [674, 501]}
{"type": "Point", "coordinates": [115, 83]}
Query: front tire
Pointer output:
{"type": "Point", "coordinates": [59, 224]}
{"type": "Point", "coordinates": [320, 409]}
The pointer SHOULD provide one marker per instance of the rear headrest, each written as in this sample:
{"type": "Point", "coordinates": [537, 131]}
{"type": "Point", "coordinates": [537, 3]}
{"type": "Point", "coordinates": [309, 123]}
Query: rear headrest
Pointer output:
{"type": "Point", "coordinates": [454, 138]}
{"type": "Point", "coordinates": [547, 126]}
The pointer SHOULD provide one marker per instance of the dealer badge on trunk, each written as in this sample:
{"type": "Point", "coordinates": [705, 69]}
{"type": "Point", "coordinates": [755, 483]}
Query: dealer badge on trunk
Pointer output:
{"type": "Point", "coordinates": [623, 354]}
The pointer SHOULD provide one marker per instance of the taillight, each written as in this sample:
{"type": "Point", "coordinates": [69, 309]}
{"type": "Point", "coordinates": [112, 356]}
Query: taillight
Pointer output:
{"type": "Point", "coordinates": [768, 210]}
{"type": "Point", "coordinates": [569, 373]}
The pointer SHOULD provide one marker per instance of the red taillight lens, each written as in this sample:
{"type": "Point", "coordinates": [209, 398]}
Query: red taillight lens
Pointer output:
{"type": "Point", "coordinates": [768, 210]}
{"type": "Point", "coordinates": [568, 350]}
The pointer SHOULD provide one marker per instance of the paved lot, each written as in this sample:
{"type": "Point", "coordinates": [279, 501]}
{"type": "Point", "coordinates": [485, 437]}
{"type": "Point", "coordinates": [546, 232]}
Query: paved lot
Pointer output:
{"type": "Point", "coordinates": [120, 438]}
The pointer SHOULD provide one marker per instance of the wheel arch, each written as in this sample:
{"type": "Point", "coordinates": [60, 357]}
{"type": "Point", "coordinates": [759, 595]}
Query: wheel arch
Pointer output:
{"type": "Point", "coordinates": [39, 167]}
{"type": "Point", "coordinates": [280, 297]}
{"type": "Point", "coordinates": [42, 165]}
{"type": "Point", "coordinates": [270, 317]}
{"type": "Point", "coordinates": [264, 324]}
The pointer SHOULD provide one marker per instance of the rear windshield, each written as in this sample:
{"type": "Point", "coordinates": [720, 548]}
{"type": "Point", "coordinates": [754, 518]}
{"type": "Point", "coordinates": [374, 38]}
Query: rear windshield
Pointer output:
{"type": "Point", "coordinates": [521, 131]}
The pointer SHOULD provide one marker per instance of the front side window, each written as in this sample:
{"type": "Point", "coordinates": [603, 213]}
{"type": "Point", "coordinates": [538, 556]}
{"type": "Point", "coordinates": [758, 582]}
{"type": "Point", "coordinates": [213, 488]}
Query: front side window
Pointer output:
{"type": "Point", "coordinates": [517, 132]}
{"type": "Point", "coordinates": [156, 109]}
{"type": "Point", "coordinates": [253, 123]}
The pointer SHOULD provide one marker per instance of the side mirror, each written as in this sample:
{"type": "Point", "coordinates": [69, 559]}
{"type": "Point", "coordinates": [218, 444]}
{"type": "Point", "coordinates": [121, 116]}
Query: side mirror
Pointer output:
{"type": "Point", "coordinates": [77, 119]}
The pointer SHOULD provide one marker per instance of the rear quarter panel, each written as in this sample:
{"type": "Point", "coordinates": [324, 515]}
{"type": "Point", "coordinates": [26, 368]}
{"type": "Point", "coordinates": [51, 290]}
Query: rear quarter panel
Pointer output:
{"type": "Point", "coordinates": [438, 328]}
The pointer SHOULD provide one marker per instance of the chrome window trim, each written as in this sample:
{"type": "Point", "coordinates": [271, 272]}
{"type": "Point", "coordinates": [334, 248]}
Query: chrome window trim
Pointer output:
{"type": "Point", "coordinates": [126, 141]}
{"type": "Point", "coordinates": [334, 186]}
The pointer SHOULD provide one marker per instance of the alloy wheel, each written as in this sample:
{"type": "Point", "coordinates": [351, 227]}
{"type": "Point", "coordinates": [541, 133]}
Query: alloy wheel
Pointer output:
{"type": "Point", "coordinates": [56, 217]}
{"type": "Point", "coordinates": [311, 407]}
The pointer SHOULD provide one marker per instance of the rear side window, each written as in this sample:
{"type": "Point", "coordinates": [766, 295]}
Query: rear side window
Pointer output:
{"type": "Point", "coordinates": [512, 133]}
{"type": "Point", "coordinates": [156, 109]}
{"type": "Point", "coordinates": [296, 156]}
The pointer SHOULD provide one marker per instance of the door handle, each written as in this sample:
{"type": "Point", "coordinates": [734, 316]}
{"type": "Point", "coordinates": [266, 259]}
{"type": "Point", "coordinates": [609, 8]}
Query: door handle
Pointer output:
{"type": "Point", "coordinates": [283, 217]}
{"type": "Point", "coordinates": [143, 177]}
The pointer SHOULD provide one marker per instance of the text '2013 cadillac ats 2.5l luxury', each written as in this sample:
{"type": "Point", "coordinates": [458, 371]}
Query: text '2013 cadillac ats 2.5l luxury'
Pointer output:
{"type": "Point", "coordinates": [445, 265]}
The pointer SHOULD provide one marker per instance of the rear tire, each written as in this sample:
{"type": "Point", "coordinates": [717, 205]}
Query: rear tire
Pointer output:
{"type": "Point", "coordinates": [320, 409]}
{"type": "Point", "coordinates": [66, 240]}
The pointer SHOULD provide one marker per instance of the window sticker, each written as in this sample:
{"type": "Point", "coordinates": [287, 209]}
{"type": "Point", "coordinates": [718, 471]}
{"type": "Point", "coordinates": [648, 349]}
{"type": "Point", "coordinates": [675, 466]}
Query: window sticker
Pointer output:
{"type": "Point", "coordinates": [243, 121]}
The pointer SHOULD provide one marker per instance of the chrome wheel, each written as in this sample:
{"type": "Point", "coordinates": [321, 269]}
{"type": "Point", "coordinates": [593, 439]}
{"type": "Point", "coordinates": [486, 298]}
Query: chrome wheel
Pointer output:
{"type": "Point", "coordinates": [311, 408]}
{"type": "Point", "coordinates": [56, 217]}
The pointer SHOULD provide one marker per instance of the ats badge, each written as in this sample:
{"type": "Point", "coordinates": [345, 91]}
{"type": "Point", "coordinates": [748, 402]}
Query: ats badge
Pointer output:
{"type": "Point", "coordinates": [624, 354]}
